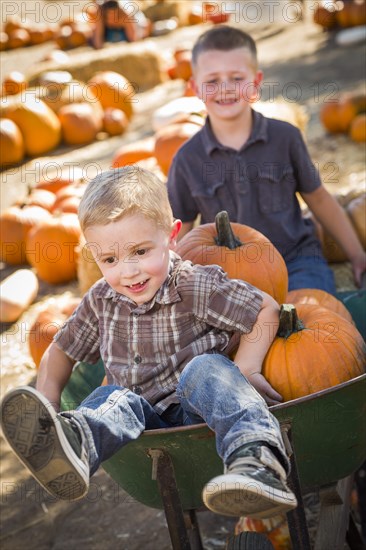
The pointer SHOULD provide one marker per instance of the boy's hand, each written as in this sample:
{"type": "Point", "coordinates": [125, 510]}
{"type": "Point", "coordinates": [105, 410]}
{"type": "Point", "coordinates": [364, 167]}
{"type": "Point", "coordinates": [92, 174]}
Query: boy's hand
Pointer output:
{"type": "Point", "coordinates": [264, 388]}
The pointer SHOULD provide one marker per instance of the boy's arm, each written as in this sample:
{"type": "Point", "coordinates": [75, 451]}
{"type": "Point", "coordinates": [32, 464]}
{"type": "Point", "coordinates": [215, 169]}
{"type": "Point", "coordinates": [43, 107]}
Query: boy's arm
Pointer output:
{"type": "Point", "coordinates": [335, 221]}
{"type": "Point", "coordinates": [254, 346]}
{"type": "Point", "coordinates": [54, 372]}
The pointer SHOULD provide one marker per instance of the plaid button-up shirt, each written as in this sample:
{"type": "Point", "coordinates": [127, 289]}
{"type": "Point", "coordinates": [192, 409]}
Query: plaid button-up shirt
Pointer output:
{"type": "Point", "coordinates": [145, 347]}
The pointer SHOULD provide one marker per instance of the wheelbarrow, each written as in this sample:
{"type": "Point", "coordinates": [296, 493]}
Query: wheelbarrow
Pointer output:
{"type": "Point", "coordinates": [325, 436]}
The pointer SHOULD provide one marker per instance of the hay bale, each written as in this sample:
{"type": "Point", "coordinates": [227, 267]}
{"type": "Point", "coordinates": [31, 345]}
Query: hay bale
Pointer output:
{"type": "Point", "coordinates": [282, 110]}
{"type": "Point", "coordinates": [159, 11]}
{"type": "Point", "coordinates": [139, 62]}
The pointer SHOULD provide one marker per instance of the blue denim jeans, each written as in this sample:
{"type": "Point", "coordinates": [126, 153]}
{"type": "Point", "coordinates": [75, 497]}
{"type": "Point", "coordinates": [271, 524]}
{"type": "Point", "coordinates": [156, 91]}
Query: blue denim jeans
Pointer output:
{"type": "Point", "coordinates": [211, 388]}
{"type": "Point", "coordinates": [310, 272]}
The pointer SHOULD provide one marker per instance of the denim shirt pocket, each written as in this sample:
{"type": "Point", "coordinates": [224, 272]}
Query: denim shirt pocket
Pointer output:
{"type": "Point", "coordinates": [275, 191]}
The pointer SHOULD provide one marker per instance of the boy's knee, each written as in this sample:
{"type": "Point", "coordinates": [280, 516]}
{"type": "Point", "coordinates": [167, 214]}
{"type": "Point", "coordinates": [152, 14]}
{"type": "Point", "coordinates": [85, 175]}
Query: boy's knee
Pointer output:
{"type": "Point", "coordinates": [202, 368]}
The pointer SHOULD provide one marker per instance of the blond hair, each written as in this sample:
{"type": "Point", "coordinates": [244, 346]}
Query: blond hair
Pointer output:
{"type": "Point", "coordinates": [122, 192]}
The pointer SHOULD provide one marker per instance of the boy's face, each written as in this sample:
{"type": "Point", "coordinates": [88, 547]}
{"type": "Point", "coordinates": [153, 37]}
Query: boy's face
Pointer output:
{"type": "Point", "coordinates": [227, 81]}
{"type": "Point", "coordinates": [133, 255]}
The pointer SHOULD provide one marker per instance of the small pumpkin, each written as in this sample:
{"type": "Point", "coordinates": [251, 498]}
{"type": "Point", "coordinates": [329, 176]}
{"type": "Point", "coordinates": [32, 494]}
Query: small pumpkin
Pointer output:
{"type": "Point", "coordinates": [115, 121]}
{"type": "Point", "coordinates": [15, 224]}
{"type": "Point", "coordinates": [38, 197]}
{"type": "Point", "coordinates": [14, 83]}
{"type": "Point", "coordinates": [318, 297]}
{"type": "Point", "coordinates": [134, 152]}
{"type": "Point", "coordinates": [79, 122]}
{"type": "Point", "coordinates": [357, 129]}
{"type": "Point", "coordinates": [113, 90]}
{"type": "Point", "coordinates": [11, 143]}
{"type": "Point", "coordinates": [314, 349]}
{"type": "Point", "coordinates": [241, 251]}
{"type": "Point", "coordinates": [47, 323]}
{"type": "Point", "coordinates": [169, 139]}
{"type": "Point", "coordinates": [51, 248]}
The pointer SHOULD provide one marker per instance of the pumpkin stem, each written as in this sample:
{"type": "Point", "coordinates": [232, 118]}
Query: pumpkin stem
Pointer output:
{"type": "Point", "coordinates": [289, 321]}
{"type": "Point", "coordinates": [225, 235]}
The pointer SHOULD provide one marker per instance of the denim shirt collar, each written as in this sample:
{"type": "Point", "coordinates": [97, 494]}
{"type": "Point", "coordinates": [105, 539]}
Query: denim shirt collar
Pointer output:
{"type": "Point", "coordinates": [259, 133]}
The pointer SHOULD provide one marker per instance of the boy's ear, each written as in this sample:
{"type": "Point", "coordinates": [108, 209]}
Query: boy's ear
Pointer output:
{"type": "Point", "coordinates": [194, 87]}
{"type": "Point", "coordinates": [174, 233]}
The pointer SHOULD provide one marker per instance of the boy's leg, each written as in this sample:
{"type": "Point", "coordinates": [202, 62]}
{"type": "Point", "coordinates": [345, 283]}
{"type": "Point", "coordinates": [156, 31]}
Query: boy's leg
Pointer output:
{"type": "Point", "coordinates": [248, 439]}
{"type": "Point", "coordinates": [310, 272]}
{"type": "Point", "coordinates": [63, 450]}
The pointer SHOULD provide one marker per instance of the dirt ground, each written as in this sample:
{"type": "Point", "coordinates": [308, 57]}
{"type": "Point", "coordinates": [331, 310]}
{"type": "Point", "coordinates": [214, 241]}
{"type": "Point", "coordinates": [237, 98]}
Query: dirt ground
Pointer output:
{"type": "Point", "coordinates": [300, 62]}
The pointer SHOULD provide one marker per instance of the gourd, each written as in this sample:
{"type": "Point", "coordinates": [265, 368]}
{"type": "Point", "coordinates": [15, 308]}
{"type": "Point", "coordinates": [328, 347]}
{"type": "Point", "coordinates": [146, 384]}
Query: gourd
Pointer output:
{"type": "Point", "coordinates": [318, 297]}
{"type": "Point", "coordinates": [314, 349]}
{"type": "Point", "coordinates": [17, 292]}
{"type": "Point", "coordinates": [51, 248]}
{"type": "Point", "coordinates": [243, 252]}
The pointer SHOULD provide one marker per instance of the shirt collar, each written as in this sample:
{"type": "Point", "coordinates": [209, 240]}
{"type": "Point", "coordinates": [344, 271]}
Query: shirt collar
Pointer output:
{"type": "Point", "coordinates": [259, 133]}
{"type": "Point", "coordinates": [167, 293]}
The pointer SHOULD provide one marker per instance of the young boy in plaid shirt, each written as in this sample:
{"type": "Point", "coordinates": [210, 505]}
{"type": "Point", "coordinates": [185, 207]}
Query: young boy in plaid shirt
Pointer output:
{"type": "Point", "coordinates": [164, 329]}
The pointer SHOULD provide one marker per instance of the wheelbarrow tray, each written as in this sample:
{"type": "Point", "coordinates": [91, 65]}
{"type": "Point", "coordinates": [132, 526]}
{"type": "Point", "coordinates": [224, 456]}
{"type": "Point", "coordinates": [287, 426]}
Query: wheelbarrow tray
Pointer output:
{"type": "Point", "coordinates": [328, 431]}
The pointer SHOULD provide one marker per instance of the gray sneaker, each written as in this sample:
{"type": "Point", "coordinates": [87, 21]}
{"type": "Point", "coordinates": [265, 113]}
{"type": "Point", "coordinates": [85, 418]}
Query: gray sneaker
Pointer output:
{"type": "Point", "coordinates": [49, 445]}
{"type": "Point", "coordinates": [253, 485]}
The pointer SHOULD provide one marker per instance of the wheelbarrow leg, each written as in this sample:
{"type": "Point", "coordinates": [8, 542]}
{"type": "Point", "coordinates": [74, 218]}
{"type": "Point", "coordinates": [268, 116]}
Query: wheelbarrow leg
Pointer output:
{"type": "Point", "coordinates": [177, 520]}
{"type": "Point", "coordinates": [296, 519]}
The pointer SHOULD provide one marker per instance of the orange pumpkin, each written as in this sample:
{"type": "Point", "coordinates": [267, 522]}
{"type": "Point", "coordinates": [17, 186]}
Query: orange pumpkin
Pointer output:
{"type": "Point", "coordinates": [241, 251]}
{"type": "Point", "coordinates": [80, 123]}
{"type": "Point", "coordinates": [317, 297]}
{"type": "Point", "coordinates": [356, 210]}
{"type": "Point", "coordinates": [18, 39]}
{"type": "Point", "coordinates": [39, 125]}
{"type": "Point", "coordinates": [314, 349]}
{"type": "Point", "coordinates": [113, 90]}
{"type": "Point", "coordinates": [115, 121]}
{"type": "Point", "coordinates": [329, 117]}
{"type": "Point", "coordinates": [134, 152]}
{"type": "Point", "coordinates": [14, 83]}
{"type": "Point", "coordinates": [38, 197]}
{"type": "Point", "coordinates": [325, 15]}
{"type": "Point", "coordinates": [71, 174]}
{"type": "Point", "coordinates": [357, 129]}
{"type": "Point", "coordinates": [11, 143]}
{"type": "Point", "coordinates": [169, 139]}
{"type": "Point", "coordinates": [68, 198]}
{"type": "Point", "coordinates": [15, 224]}
{"type": "Point", "coordinates": [47, 323]}
{"type": "Point", "coordinates": [51, 248]}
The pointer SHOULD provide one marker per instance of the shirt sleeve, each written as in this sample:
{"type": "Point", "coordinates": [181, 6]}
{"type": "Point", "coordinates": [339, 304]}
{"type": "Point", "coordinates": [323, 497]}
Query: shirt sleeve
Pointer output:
{"type": "Point", "coordinates": [227, 304]}
{"type": "Point", "coordinates": [182, 203]}
{"type": "Point", "coordinates": [306, 173]}
{"type": "Point", "coordinates": [79, 336]}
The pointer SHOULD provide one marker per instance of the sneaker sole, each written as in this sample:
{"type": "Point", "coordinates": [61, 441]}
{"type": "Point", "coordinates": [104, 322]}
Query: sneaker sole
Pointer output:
{"type": "Point", "coordinates": [47, 454]}
{"type": "Point", "coordinates": [227, 496]}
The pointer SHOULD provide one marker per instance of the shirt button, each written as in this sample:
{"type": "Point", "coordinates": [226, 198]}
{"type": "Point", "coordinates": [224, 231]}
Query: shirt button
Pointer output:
{"type": "Point", "coordinates": [137, 390]}
{"type": "Point", "coordinates": [138, 359]}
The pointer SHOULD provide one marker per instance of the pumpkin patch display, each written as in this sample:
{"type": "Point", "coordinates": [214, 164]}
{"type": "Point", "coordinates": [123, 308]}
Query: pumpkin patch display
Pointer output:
{"type": "Point", "coordinates": [241, 251]}
{"type": "Point", "coordinates": [314, 349]}
{"type": "Point", "coordinates": [51, 248]}
{"type": "Point", "coordinates": [11, 143]}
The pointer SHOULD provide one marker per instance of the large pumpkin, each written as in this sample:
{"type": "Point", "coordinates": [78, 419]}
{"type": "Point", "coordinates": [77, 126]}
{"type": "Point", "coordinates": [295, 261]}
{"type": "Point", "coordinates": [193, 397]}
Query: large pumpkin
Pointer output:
{"type": "Point", "coordinates": [11, 143]}
{"type": "Point", "coordinates": [40, 127]}
{"type": "Point", "coordinates": [241, 251]}
{"type": "Point", "coordinates": [314, 349]}
{"type": "Point", "coordinates": [317, 297]}
{"type": "Point", "coordinates": [51, 248]}
{"type": "Point", "coordinates": [113, 90]}
{"type": "Point", "coordinates": [15, 224]}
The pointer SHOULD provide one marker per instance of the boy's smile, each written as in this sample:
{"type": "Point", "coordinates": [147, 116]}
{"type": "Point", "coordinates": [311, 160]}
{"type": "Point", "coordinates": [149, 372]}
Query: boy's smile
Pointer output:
{"type": "Point", "coordinates": [227, 82]}
{"type": "Point", "coordinates": [132, 254]}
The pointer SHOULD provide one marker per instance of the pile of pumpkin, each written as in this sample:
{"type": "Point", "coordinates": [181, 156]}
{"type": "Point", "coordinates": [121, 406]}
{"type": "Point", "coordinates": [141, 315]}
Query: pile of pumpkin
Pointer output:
{"type": "Point", "coordinates": [340, 14]}
{"type": "Point", "coordinates": [35, 121]}
{"type": "Point", "coordinates": [346, 114]}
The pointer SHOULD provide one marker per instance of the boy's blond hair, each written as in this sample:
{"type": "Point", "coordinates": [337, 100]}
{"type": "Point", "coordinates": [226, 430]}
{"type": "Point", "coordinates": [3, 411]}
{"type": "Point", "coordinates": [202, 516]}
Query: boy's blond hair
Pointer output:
{"type": "Point", "coordinates": [122, 192]}
{"type": "Point", "coordinates": [224, 38]}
